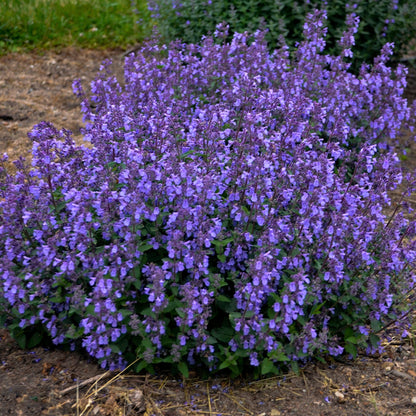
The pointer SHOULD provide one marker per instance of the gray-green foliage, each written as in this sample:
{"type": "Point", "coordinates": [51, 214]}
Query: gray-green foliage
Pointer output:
{"type": "Point", "coordinates": [381, 21]}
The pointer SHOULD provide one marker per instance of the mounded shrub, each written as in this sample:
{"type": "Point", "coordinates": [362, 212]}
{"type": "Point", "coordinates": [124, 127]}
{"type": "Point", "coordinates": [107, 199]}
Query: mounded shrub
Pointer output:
{"type": "Point", "coordinates": [228, 212]}
{"type": "Point", "coordinates": [382, 21]}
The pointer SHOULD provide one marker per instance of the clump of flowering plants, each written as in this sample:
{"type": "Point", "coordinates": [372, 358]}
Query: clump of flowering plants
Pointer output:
{"type": "Point", "coordinates": [230, 210]}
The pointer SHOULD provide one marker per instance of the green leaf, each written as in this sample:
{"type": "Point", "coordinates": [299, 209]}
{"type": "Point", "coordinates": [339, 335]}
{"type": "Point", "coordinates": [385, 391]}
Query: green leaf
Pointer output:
{"type": "Point", "coordinates": [316, 308]}
{"type": "Point", "coordinates": [122, 344]}
{"type": "Point", "coordinates": [60, 207]}
{"type": "Point", "coordinates": [3, 319]}
{"type": "Point", "coordinates": [181, 313]}
{"type": "Point", "coordinates": [223, 334]}
{"type": "Point", "coordinates": [246, 210]}
{"type": "Point", "coordinates": [211, 340]}
{"type": "Point", "coordinates": [141, 366]}
{"type": "Point", "coordinates": [227, 306]}
{"type": "Point", "coordinates": [74, 332]}
{"type": "Point", "coordinates": [125, 312]}
{"type": "Point", "coordinates": [295, 367]}
{"type": "Point", "coordinates": [146, 344]}
{"type": "Point", "coordinates": [20, 338]}
{"type": "Point", "coordinates": [241, 353]}
{"type": "Point", "coordinates": [90, 310]}
{"type": "Point", "coordinates": [234, 315]}
{"type": "Point", "coordinates": [347, 318]}
{"type": "Point", "coordinates": [295, 252]}
{"type": "Point", "coordinates": [183, 368]}
{"type": "Point", "coordinates": [172, 305]}
{"type": "Point", "coordinates": [374, 340]}
{"type": "Point", "coordinates": [352, 340]}
{"type": "Point", "coordinates": [219, 250]}
{"type": "Point", "coordinates": [351, 349]}
{"type": "Point", "coordinates": [348, 332]}
{"type": "Point", "coordinates": [249, 314]}
{"type": "Point", "coordinates": [321, 359]}
{"type": "Point", "coordinates": [55, 299]}
{"type": "Point", "coordinates": [279, 356]}
{"type": "Point", "coordinates": [267, 367]}
{"type": "Point", "coordinates": [227, 364]}
{"type": "Point", "coordinates": [115, 348]}
{"type": "Point", "coordinates": [148, 312]}
{"type": "Point", "coordinates": [302, 320]}
{"type": "Point", "coordinates": [34, 340]}
{"type": "Point", "coordinates": [222, 243]}
{"type": "Point", "coordinates": [168, 360]}
{"type": "Point", "coordinates": [376, 325]}
{"type": "Point", "coordinates": [144, 247]}
{"type": "Point", "coordinates": [222, 258]}
{"type": "Point", "coordinates": [223, 298]}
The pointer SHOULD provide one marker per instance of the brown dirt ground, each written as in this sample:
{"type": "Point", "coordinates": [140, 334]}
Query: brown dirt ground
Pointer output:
{"type": "Point", "coordinates": [41, 381]}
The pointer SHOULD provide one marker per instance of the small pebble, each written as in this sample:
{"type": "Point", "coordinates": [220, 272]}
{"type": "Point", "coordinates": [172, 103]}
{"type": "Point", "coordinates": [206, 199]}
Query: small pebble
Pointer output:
{"type": "Point", "coordinates": [340, 396]}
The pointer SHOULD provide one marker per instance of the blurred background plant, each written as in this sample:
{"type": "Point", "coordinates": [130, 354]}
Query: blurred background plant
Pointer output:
{"type": "Point", "coordinates": [43, 24]}
{"type": "Point", "coordinates": [382, 21]}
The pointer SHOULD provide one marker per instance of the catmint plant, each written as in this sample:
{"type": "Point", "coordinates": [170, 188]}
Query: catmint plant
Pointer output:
{"type": "Point", "coordinates": [231, 210]}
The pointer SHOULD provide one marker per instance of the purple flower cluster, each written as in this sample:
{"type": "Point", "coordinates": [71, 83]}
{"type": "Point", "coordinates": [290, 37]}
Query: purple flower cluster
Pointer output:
{"type": "Point", "coordinates": [231, 205]}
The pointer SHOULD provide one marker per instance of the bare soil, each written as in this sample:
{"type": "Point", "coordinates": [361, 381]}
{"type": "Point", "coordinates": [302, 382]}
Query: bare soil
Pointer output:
{"type": "Point", "coordinates": [41, 381]}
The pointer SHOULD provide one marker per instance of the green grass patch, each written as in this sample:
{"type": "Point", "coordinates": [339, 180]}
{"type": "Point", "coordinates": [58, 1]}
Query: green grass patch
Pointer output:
{"type": "Point", "coordinates": [44, 24]}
